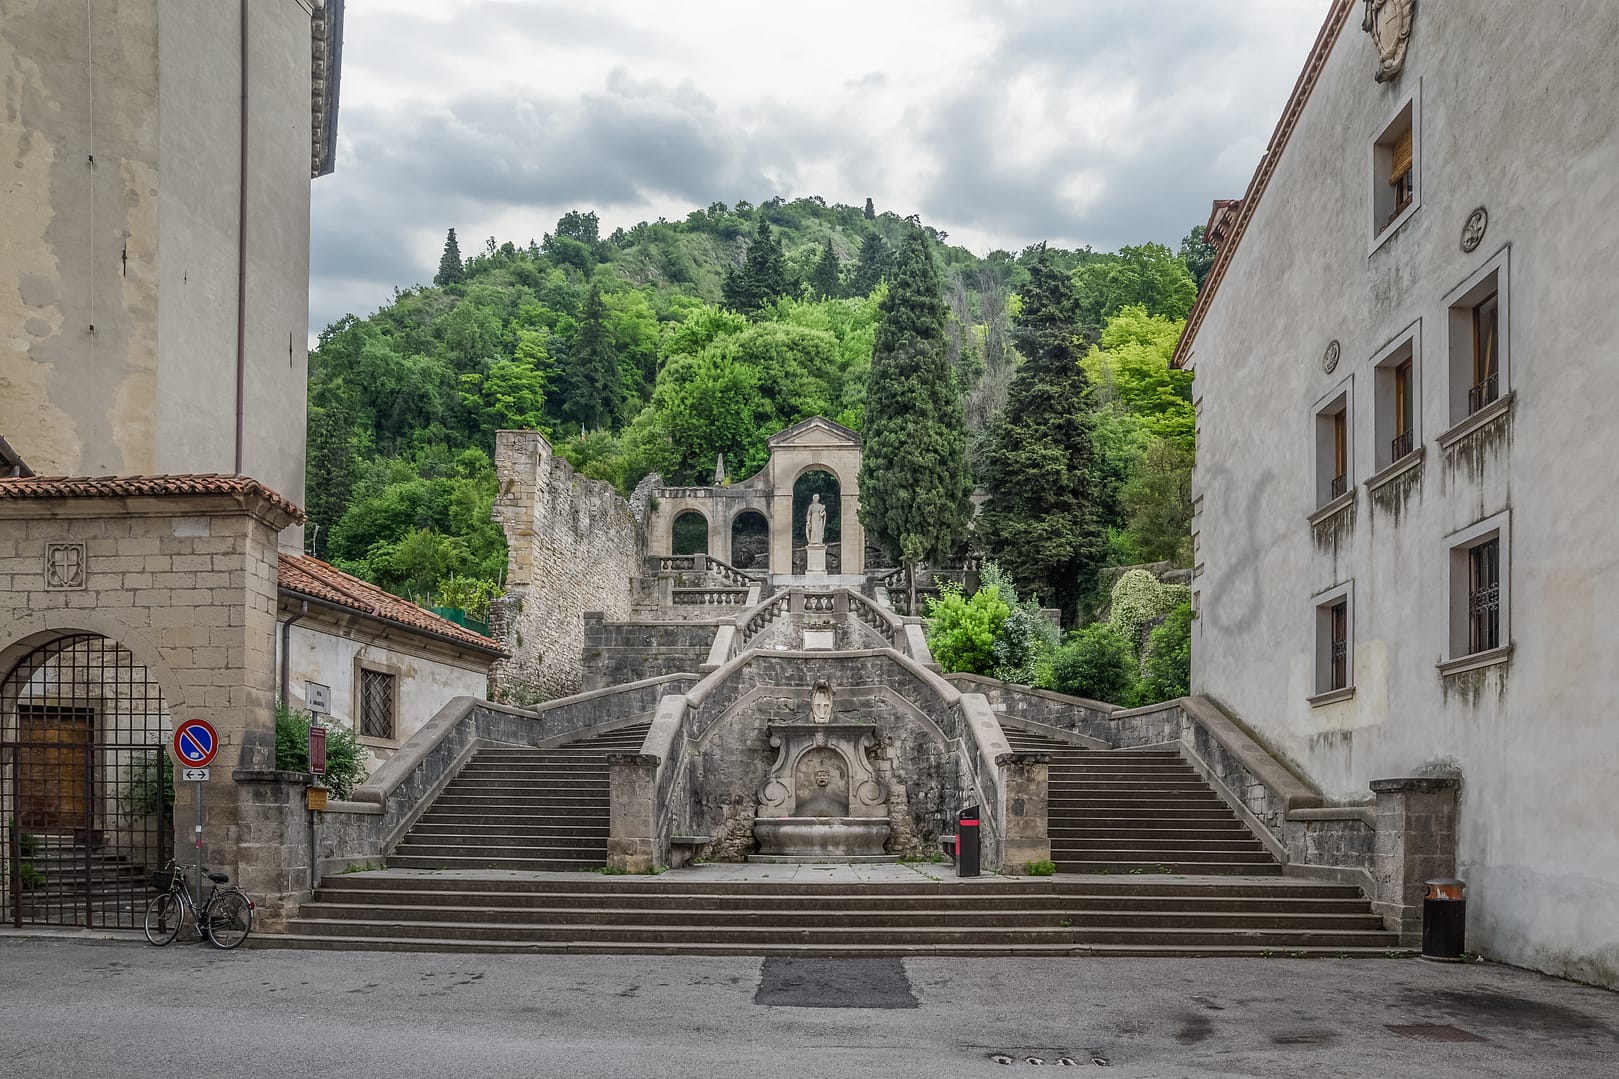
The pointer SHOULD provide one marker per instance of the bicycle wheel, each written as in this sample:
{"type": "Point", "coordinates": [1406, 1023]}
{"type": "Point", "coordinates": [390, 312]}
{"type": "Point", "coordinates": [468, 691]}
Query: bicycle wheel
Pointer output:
{"type": "Point", "coordinates": [163, 917]}
{"type": "Point", "coordinates": [230, 919]}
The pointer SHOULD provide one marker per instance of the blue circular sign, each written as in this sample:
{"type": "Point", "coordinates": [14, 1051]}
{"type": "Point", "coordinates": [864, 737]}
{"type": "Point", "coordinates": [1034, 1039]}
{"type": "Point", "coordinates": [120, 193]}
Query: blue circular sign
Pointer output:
{"type": "Point", "coordinates": [196, 742]}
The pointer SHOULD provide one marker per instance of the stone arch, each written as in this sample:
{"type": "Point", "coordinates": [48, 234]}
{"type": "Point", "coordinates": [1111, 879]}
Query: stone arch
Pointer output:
{"type": "Point", "coordinates": [684, 532]}
{"type": "Point", "coordinates": [26, 634]}
{"type": "Point", "coordinates": [83, 769]}
{"type": "Point", "coordinates": [742, 530]}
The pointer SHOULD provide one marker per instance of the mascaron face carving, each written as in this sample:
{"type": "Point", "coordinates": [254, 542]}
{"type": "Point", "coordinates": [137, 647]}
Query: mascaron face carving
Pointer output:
{"type": "Point", "coordinates": [1389, 23]}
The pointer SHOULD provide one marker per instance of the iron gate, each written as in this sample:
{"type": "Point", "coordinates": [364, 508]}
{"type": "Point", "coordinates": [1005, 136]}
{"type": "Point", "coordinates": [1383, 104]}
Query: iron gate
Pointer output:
{"type": "Point", "coordinates": [86, 787]}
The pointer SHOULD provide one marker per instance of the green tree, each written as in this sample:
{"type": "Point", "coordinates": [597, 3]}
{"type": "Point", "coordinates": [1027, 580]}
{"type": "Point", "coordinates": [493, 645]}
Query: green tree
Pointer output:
{"type": "Point", "coordinates": [913, 476]}
{"type": "Point", "coordinates": [1041, 522]}
{"type": "Point", "coordinates": [1096, 663]}
{"type": "Point", "coordinates": [1157, 504]}
{"type": "Point", "coordinates": [510, 394]}
{"type": "Point", "coordinates": [591, 378]}
{"type": "Point", "coordinates": [871, 210]}
{"type": "Point", "coordinates": [962, 630]}
{"type": "Point", "coordinates": [761, 277]}
{"type": "Point", "coordinates": [871, 267]}
{"type": "Point", "coordinates": [824, 277]}
{"type": "Point", "coordinates": [1130, 366]}
{"type": "Point", "coordinates": [1166, 666]}
{"type": "Point", "coordinates": [450, 269]}
{"type": "Point", "coordinates": [1151, 275]}
{"type": "Point", "coordinates": [332, 462]}
{"type": "Point", "coordinates": [1198, 254]}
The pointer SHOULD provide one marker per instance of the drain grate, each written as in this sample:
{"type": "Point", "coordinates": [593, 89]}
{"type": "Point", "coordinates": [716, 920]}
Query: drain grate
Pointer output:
{"type": "Point", "coordinates": [1436, 1032]}
{"type": "Point", "coordinates": [1043, 1057]}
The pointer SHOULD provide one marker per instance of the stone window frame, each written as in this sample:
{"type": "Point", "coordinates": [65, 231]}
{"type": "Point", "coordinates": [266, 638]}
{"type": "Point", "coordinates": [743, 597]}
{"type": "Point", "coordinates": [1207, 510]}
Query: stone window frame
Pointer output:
{"type": "Point", "coordinates": [1493, 275]}
{"type": "Point", "coordinates": [1403, 346]}
{"type": "Point", "coordinates": [1458, 655]}
{"type": "Point", "coordinates": [1341, 398]}
{"type": "Point", "coordinates": [394, 672]}
{"type": "Point", "coordinates": [1380, 154]}
{"type": "Point", "coordinates": [1321, 605]}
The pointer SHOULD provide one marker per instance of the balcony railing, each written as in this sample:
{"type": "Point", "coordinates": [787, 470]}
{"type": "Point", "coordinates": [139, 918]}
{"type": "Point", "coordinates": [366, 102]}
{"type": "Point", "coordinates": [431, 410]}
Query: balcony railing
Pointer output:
{"type": "Point", "coordinates": [1482, 394]}
{"type": "Point", "coordinates": [1340, 484]}
{"type": "Point", "coordinates": [1402, 445]}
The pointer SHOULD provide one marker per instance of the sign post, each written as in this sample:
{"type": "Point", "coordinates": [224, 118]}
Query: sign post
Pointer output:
{"type": "Point", "coordinates": [195, 743]}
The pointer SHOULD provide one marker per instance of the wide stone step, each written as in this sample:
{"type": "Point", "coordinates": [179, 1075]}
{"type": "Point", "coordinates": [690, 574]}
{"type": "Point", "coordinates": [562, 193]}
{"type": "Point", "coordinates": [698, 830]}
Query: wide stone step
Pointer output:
{"type": "Point", "coordinates": [1171, 842]}
{"type": "Point", "coordinates": [1182, 865]}
{"type": "Point", "coordinates": [559, 826]}
{"type": "Point", "coordinates": [558, 864]}
{"type": "Point", "coordinates": [499, 848]}
{"type": "Point", "coordinates": [481, 841]}
{"type": "Point", "coordinates": [463, 802]}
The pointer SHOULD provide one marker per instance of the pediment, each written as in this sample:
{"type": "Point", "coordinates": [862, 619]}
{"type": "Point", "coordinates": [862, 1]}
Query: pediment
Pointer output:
{"type": "Point", "coordinates": [815, 431]}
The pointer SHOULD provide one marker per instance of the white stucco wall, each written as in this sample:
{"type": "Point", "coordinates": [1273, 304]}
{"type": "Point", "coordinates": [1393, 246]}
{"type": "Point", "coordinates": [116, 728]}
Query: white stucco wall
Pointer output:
{"type": "Point", "coordinates": [330, 652]}
{"type": "Point", "coordinates": [1519, 112]}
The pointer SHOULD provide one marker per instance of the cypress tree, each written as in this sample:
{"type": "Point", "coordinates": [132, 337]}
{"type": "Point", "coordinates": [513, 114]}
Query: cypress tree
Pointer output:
{"type": "Point", "coordinates": [871, 267]}
{"type": "Point", "coordinates": [871, 211]}
{"type": "Point", "coordinates": [332, 463]}
{"type": "Point", "coordinates": [450, 268]}
{"type": "Point", "coordinates": [592, 380]}
{"type": "Point", "coordinates": [913, 476]}
{"type": "Point", "coordinates": [824, 277]}
{"type": "Point", "coordinates": [1042, 523]}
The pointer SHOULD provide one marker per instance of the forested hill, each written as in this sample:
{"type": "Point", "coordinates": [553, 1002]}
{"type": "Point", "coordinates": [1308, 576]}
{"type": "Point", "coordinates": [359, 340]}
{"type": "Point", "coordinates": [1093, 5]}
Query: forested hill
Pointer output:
{"type": "Point", "coordinates": [658, 348]}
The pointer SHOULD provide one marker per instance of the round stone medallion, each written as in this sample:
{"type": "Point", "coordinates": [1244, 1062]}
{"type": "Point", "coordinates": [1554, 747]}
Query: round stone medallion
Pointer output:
{"type": "Point", "coordinates": [1473, 230]}
{"type": "Point", "coordinates": [1329, 359]}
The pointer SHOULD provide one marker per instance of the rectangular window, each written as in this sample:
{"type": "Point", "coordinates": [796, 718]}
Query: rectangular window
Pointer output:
{"type": "Point", "coordinates": [1334, 451]}
{"type": "Point", "coordinates": [1396, 171]}
{"type": "Point", "coordinates": [1402, 411]}
{"type": "Point", "coordinates": [1334, 644]}
{"type": "Point", "coordinates": [1484, 596]}
{"type": "Point", "coordinates": [1395, 390]}
{"type": "Point", "coordinates": [1400, 171]}
{"type": "Point", "coordinates": [376, 704]}
{"type": "Point", "coordinates": [1479, 325]}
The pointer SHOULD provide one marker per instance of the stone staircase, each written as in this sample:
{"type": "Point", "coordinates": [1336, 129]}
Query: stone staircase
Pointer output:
{"type": "Point", "coordinates": [1139, 811]}
{"type": "Point", "coordinates": [680, 913]}
{"type": "Point", "coordinates": [512, 807]}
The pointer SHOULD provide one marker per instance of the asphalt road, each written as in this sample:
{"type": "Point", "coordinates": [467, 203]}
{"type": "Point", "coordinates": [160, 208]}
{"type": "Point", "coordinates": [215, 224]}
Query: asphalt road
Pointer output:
{"type": "Point", "coordinates": [87, 1010]}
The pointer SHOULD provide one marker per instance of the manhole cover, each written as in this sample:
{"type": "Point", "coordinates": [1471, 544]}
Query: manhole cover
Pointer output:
{"type": "Point", "coordinates": [1435, 1032]}
{"type": "Point", "coordinates": [834, 983]}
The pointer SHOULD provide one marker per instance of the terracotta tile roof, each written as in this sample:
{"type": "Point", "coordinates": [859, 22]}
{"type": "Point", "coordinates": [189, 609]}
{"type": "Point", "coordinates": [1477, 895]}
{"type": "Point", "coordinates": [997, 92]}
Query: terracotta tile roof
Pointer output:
{"type": "Point", "coordinates": [143, 486]}
{"type": "Point", "coordinates": [309, 576]}
{"type": "Point", "coordinates": [1242, 212]}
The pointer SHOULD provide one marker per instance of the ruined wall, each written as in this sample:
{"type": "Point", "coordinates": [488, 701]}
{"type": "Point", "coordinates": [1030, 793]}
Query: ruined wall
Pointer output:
{"type": "Point", "coordinates": [573, 545]}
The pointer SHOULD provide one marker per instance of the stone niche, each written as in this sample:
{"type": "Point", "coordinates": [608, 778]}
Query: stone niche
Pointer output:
{"type": "Point", "coordinates": [823, 798]}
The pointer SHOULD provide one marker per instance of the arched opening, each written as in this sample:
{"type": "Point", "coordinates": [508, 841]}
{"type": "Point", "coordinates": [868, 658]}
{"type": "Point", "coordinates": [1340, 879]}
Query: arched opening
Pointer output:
{"type": "Point", "coordinates": [750, 541]}
{"type": "Point", "coordinates": [86, 788]}
{"type": "Point", "coordinates": [817, 486]}
{"type": "Point", "coordinates": [689, 533]}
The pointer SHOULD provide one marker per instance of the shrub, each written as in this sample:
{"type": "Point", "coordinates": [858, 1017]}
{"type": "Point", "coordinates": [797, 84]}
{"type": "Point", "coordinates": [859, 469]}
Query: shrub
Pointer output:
{"type": "Point", "coordinates": [1139, 600]}
{"type": "Point", "coordinates": [149, 788]}
{"type": "Point", "coordinates": [1027, 637]}
{"type": "Point", "coordinates": [345, 757]}
{"type": "Point", "coordinates": [1166, 669]}
{"type": "Point", "coordinates": [962, 631]}
{"type": "Point", "coordinates": [1097, 662]}
{"type": "Point", "coordinates": [1044, 867]}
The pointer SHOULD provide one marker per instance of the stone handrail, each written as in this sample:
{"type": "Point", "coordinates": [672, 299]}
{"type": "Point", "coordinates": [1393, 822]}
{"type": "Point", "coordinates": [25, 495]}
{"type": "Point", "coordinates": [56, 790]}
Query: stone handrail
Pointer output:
{"type": "Point", "coordinates": [885, 622]}
{"type": "Point", "coordinates": [728, 573]}
{"type": "Point", "coordinates": [675, 563]}
{"type": "Point", "coordinates": [754, 621]}
{"type": "Point", "coordinates": [709, 597]}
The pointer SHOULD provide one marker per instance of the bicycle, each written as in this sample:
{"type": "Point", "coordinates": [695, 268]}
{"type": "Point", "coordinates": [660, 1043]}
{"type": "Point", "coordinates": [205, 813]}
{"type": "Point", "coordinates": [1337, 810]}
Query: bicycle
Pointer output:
{"type": "Point", "coordinates": [226, 916]}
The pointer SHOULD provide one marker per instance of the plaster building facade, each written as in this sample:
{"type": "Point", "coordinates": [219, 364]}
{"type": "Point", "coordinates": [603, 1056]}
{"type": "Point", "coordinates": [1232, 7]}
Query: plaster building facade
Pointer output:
{"type": "Point", "coordinates": [367, 660]}
{"type": "Point", "coordinates": [154, 268]}
{"type": "Point", "coordinates": [1403, 550]}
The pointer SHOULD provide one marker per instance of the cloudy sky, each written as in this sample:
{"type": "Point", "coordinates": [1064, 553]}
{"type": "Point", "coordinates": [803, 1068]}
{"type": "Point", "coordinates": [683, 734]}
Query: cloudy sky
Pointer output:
{"type": "Point", "coordinates": [1002, 122]}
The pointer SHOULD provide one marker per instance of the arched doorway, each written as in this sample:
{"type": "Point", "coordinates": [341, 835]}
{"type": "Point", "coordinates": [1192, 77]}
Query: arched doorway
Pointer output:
{"type": "Point", "coordinates": [86, 787]}
{"type": "Point", "coordinates": [689, 533]}
{"type": "Point", "coordinates": [750, 540]}
{"type": "Point", "coordinates": [822, 485]}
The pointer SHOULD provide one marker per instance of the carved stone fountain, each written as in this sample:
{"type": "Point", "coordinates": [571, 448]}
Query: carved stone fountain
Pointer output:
{"type": "Point", "coordinates": [822, 800]}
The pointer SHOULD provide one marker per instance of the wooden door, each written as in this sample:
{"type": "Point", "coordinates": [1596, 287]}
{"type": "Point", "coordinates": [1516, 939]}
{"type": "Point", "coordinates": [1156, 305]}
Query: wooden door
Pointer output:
{"type": "Point", "coordinates": [54, 767]}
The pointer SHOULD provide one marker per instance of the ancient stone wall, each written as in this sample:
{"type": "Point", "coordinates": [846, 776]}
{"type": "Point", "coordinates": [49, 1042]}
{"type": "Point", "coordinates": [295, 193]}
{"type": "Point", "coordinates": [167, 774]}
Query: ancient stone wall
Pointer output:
{"type": "Point", "coordinates": [619, 652]}
{"type": "Point", "coordinates": [573, 546]}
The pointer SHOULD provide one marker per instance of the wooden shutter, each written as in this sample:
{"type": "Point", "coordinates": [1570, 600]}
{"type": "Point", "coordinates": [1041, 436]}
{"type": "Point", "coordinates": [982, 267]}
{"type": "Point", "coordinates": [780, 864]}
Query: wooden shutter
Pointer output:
{"type": "Point", "coordinates": [1402, 157]}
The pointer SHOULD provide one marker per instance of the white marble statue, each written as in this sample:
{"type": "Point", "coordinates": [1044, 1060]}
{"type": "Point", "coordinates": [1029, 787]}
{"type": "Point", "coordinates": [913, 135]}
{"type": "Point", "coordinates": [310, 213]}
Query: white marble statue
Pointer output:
{"type": "Point", "coordinates": [815, 521]}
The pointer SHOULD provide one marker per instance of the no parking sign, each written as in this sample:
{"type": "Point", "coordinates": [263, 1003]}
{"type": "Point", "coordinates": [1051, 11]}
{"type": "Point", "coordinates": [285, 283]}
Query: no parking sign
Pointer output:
{"type": "Point", "coordinates": [195, 743]}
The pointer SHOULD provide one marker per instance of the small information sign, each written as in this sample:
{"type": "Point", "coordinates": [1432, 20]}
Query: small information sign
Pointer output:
{"type": "Point", "coordinates": [317, 749]}
{"type": "Point", "coordinates": [194, 775]}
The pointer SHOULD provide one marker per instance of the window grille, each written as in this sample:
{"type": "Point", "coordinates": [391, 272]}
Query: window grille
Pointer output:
{"type": "Point", "coordinates": [1484, 597]}
{"type": "Point", "coordinates": [1338, 647]}
{"type": "Point", "coordinates": [376, 704]}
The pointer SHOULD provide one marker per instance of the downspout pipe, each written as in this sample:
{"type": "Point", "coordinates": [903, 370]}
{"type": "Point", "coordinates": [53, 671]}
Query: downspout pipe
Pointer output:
{"type": "Point", "coordinates": [241, 253]}
{"type": "Point", "coordinates": [286, 652]}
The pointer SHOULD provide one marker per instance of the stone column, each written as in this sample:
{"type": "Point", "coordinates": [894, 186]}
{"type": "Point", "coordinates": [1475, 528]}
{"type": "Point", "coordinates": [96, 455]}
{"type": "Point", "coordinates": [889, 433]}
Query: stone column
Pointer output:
{"type": "Point", "coordinates": [719, 533]}
{"type": "Point", "coordinates": [781, 532]}
{"type": "Point", "coordinates": [1416, 841]}
{"type": "Point", "coordinates": [632, 837]}
{"type": "Point", "coordinates": [853, 536]}
{"type": "Point", "coordinates": [1025, 780]}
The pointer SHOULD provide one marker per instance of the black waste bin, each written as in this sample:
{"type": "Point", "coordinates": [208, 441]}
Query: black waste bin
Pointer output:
{"type": "Point", "coordinates": [1444, 920]}
{"type": "Point", "coordinates": [967, 842]}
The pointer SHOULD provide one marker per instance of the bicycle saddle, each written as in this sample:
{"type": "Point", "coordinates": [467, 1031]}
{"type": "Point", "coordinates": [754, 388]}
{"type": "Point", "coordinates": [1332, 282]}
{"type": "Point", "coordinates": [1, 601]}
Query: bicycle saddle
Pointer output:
{"type": "Point", "coordinates": [219, 878]}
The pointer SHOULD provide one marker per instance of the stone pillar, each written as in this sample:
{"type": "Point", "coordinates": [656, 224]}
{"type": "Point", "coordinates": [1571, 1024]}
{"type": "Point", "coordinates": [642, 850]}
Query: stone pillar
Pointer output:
{"type": "Point", "coordinates": [719, 534]}
{"type": "Point", "coordinates": [1416, 841]}
{"type": "Point", "coordinates": [781, 532]}
{"type": "Point", "coordinates": [853, 536]}
{"type": "Point", "coordinates": [1025, 781]}
{"type": "Point", "coordinates": [274, 845]}
{"type": "Point", "coordinates": [632, 837]}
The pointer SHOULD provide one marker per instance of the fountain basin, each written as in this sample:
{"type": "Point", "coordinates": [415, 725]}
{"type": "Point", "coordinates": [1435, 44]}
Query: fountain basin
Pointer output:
{"type": "Point", "coordinates": [821, 839]}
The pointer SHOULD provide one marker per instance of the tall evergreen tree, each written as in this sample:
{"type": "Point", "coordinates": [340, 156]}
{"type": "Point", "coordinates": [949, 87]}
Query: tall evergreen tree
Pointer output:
{"type": "Point", "coordinates": [762, 277]}
{"type": "Point", "coordinates": [871, 266]}
{"type": "Point", "coordinates": [332, 462]}
{"type": "Point", "coordinates": [592, 381]}
{"type": "Point", "coordinates": [913, 475]}
{"type": "Point", "coordinates": [450, 267]}
{"type": "Point", "coordinates": [824, 277]}
{"type": "Point", "coordinates": [871, 210]}
{"type": "Point", "coordinates": [1043, 522]}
